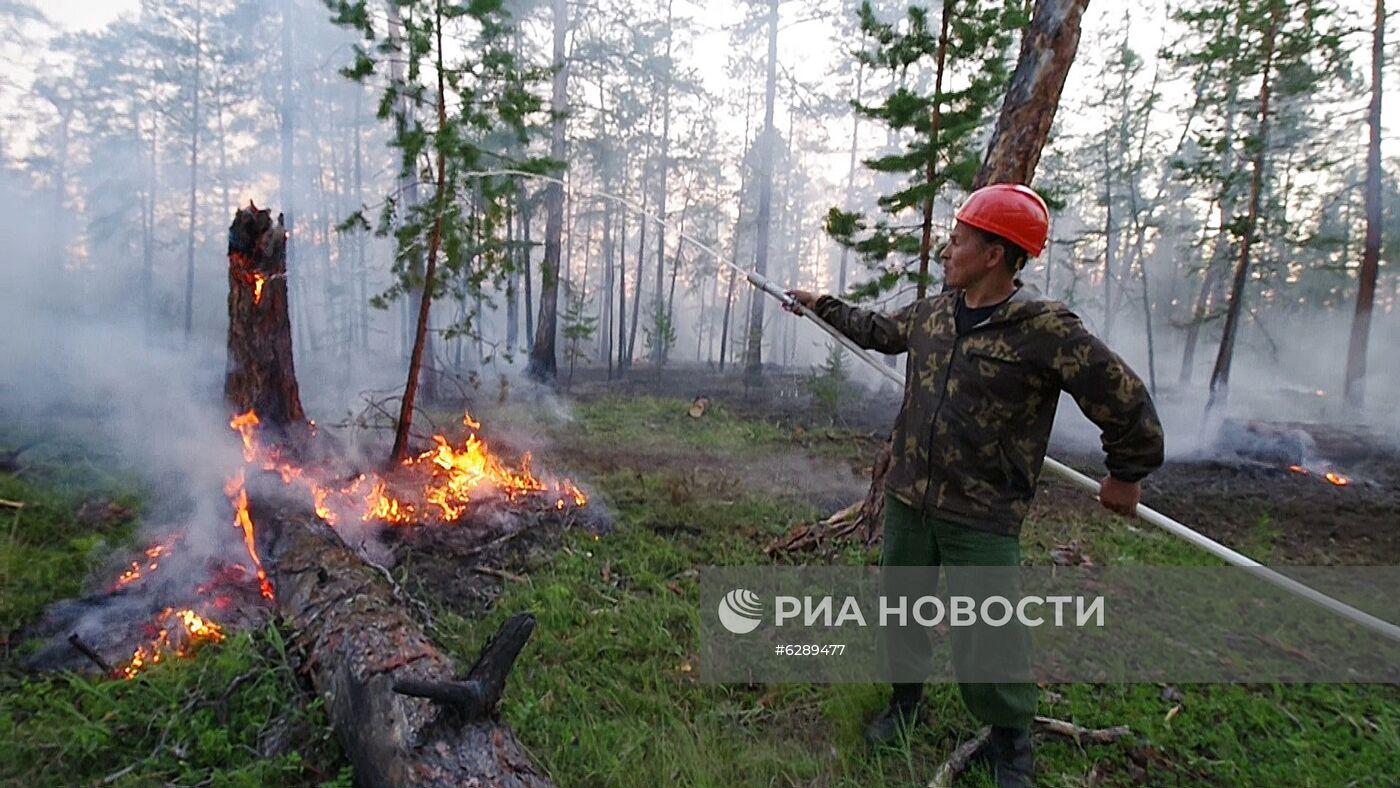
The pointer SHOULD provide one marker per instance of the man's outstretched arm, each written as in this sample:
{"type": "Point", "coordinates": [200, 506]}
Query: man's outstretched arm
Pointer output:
{"type": "Point", "coordinates": [866, 327]}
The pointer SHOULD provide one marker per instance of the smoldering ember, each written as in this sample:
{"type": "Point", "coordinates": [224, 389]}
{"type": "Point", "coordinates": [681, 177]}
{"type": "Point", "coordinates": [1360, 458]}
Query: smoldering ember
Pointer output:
{"type": "Point", "coordinates": [380, 380]}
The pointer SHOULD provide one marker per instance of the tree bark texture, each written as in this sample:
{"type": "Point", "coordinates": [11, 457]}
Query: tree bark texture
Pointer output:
{"type": "Point", "coordinates": [402, 712]}
{"type": "Point", "coordinates": [420, 350]}
{"type": "Point", "coordinates": [1371, 253]}
{"type": "Point", "coordinates": [1220, 377]}
{"type": "Point", "coordinates": [935, 121]}
{"type": "Point", "coordinates": [658, 349]}
{"type": "Point", "coordinates": [543, 365]}
{"type": "Point", "coordinates": [194, 174]}
{"type": "Point", "coordinates": [259, 374]}
{"type": "Point", "coordinates": [1048, 47]}
{"type": "Point", "coordinates": [1219, 258]}
{"type": "Point", "coordinates": [753, 361]}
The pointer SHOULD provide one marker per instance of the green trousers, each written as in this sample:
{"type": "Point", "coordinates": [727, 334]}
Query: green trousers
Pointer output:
{"type": "Point", "coordinates": [913, 538]}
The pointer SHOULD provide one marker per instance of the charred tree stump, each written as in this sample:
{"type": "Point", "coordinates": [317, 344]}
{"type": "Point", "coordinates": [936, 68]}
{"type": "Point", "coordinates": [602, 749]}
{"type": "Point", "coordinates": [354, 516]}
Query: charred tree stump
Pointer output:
{"type": "Point", "coordinates": [260, 375]}
{"type": "Point", "coordinates": [401, 710]}
{"type": "Point", "coordinates": [1048, 47]}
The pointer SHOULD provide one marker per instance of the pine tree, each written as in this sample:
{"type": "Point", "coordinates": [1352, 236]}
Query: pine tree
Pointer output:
{"type": "Point", "coordinates": [967, 56]}
{"type": "Point", "coordinates": [480, 91]}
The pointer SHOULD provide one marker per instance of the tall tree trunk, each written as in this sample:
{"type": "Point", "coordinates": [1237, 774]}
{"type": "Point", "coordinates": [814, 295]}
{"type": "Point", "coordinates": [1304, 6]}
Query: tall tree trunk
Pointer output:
{"type": "Point", "coordinates": [605, 316]}
{"type": "Point", "coordinates": [622, 278]}
{"type": "Point", "coordinates": [1141, 224]}
{"type": "Point", "coordinates": [543, 363]}
{"type": "Point", "coordinates": [1215, 269]}
{"type": "Point", "coordinates": [1109, 244]}
{"type": "Point", "coordinates": [668, 307]}
{"type": "Point", "coordinates": [1371, 253]}
{"type": "Point", "coordinates": [570, 227]}
{"type": "Point", "coordinates": [525, 215]}
{"type": "Point", "coordinates": [734, 241]}
{"type": "Point", "coordinates": [194, 170]}
{"type": "Point", "coordinates": [408, 197]}
{"type": "Point", "coordinates": [400, 452]}
{"type": "Point", "coordinates": [1220, 376]}
{"type": "Point", "coordinates": [658, 350]}
{"type": "Point", "coordinates": [935, 121]}
{"type": "Point", "coordinates": [850, 167]}
{"type": "Point", "coordinates": [1048, 46]}
{"type": "Point", "coordinates": [512, 282]}
{"type": "Point", "coordinates": [641, 245]}
{"type": "Point", "coordinates": [637, 287]}
{"type": "Point", "coordinates": [753, 362]}
{"type": "Point", "coordinates": [728, 308]}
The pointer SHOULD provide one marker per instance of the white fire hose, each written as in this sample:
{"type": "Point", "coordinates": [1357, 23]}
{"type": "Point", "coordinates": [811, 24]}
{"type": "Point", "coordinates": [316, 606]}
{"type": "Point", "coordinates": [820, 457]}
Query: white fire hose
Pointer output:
{"type": "Point", "coordinates": [1226, 554]}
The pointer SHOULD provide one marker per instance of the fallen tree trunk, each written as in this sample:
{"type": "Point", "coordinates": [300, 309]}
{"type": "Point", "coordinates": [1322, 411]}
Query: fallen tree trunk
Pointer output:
{"type": "Point", "coordinates": [401, 709]}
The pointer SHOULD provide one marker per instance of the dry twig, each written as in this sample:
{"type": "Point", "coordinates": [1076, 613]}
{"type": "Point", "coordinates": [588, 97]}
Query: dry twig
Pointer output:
{"type": "Point", "coordinates": [974, 749]}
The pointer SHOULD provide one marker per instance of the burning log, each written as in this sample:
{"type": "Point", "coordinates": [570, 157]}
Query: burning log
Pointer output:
{"type": "Point", "coordinates": [402, 711]}
{"type": "Point", "coordinates": [260, 376]}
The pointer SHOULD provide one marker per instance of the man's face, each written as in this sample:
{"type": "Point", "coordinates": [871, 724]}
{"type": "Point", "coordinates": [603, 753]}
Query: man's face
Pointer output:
{"type": "Point", "coordinates": [967, 258]}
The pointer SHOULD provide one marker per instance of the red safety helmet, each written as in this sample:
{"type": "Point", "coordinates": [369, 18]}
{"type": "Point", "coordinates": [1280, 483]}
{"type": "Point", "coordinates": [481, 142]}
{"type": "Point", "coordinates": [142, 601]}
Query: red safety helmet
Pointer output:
{"type": "Point", "coordinates": [1013, 211]}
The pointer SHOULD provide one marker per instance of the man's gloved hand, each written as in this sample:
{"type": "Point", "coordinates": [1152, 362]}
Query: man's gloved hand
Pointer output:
{"type": "Point", "coordinates": [806, 299]}
{"type": "Point", "coordinates": [1119, 496]}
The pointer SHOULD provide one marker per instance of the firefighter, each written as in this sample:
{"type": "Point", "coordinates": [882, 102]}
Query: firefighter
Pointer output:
{"type": "Point", "coordinates": [988, 358]}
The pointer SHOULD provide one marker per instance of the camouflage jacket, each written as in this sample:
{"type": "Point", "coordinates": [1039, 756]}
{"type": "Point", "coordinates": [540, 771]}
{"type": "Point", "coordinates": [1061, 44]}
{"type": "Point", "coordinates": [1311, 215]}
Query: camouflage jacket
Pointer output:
{"type": "Point", "coordinates": [971, 436]}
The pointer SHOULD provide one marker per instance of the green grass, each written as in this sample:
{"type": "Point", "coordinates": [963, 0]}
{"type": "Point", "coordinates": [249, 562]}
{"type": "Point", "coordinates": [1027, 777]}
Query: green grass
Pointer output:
{"type": "Point", "coordinates": [639, 421]}
{"type": "Point", "coordinates": [227, 717]}
{"type": "Point", "coordinates": [608, 690]}
{"type": "Point", "coordinates": [45, 552]}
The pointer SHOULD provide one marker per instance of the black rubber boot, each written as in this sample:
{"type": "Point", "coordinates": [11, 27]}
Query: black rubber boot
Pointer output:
{"type": "Point", "coordinates": [902, 713]}
{"type": "Point", "coordinates": [1013, 758]}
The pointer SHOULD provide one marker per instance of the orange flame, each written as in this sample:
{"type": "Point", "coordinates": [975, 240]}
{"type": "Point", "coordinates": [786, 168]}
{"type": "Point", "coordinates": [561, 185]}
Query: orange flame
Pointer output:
{"type": "Point", "coordinates": [438, 485]}
{"type": "Point", "coordinates": [1331, 476]}
{"type": "Point", "coordinates": [244, 424]}
{"type": "Point", "coordinates": [140, 569]}
{"type": "Point", "coordinates": [258, 281]}
{"type": "Point", "coordinates": [236, 491]}
{"type": "Point", "coordinates": [193, 629]}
